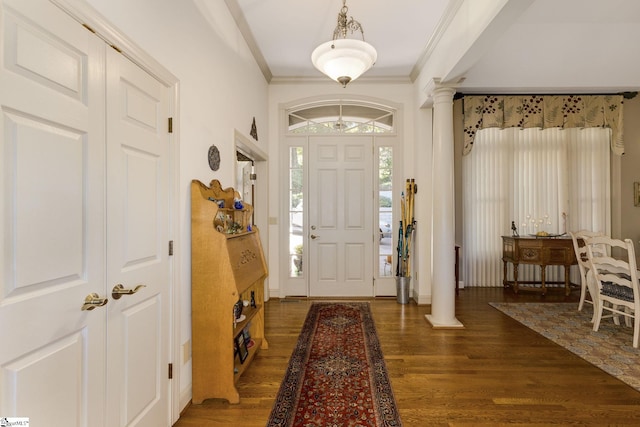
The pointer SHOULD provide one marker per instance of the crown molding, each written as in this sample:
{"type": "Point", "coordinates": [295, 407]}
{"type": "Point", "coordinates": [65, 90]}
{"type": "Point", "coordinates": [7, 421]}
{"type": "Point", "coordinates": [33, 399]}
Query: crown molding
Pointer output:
{"type": "Point", "coordinates": [441, 28]}
{"type": "Point", "coordinates": [245, 30]}
{"type": "Point", "coordinates": [89, 17]}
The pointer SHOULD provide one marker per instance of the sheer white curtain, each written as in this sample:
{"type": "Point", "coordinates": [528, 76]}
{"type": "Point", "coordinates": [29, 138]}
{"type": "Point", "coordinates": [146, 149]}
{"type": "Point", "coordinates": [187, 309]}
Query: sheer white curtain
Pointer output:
{"type": "Point", "coordinates": [554, 180]}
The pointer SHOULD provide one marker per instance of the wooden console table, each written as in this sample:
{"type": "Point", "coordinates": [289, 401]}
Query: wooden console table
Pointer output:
{"type": "Point", "coordinates": [542, 251]}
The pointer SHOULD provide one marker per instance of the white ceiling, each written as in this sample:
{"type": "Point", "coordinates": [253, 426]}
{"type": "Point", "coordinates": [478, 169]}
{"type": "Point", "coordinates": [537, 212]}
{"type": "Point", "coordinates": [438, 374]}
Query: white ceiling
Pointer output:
{"type": "Point", "coordinates": [550, 46]}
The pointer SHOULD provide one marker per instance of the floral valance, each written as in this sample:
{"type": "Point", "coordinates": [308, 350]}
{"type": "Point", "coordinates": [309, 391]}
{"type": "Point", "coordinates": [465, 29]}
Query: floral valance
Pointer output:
{"type": "Point", "coordinates": [544, 111]}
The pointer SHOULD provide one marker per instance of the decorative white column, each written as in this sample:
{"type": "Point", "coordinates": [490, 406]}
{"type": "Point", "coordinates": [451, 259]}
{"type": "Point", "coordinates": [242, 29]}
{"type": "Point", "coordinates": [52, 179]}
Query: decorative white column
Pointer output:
{"type": "Point", "coordinates": [443, 292]}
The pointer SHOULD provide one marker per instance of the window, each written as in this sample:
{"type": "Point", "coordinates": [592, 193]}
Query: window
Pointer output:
{"type": "Point", "coordinates": [385, 211]}
{"type": "Point", "coordinates": [296, 211]}
{"type": "Point", "coordinates": [340, 118]}
{"type": "Point", "coordinates": [553, 180]}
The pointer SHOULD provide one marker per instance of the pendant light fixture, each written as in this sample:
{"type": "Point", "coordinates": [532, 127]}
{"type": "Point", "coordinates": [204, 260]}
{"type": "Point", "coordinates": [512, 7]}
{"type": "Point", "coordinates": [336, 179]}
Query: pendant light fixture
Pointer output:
{"type": "Point", "coordinates": [342, 59]}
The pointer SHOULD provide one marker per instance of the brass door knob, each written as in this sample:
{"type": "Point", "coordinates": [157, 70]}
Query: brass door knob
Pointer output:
{"type": "Point", "coordinates": [119, 290]}
{"type": "Point", "coordinates": [92, 301]}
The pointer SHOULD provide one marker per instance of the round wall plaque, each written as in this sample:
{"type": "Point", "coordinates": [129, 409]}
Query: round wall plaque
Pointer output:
{"type": "Point", "coordinates": [214, 158]}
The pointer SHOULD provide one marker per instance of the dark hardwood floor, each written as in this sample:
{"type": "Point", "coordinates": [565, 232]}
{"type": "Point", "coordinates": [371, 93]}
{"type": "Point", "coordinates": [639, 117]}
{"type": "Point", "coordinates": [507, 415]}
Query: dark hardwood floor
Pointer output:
{"type": "Point", "coordinates": [493, 372]}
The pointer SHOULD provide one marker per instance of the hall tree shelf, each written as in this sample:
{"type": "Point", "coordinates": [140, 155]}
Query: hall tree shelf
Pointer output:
{"type": "Point", "coordinates": [227, 264]}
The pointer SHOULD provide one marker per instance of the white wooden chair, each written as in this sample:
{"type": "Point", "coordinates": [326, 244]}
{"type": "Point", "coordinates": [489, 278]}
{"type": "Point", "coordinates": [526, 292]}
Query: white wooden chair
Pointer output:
{"type": "Point", "coordinates": [617, 280]}
{"type": "Point", "coordinates": [587, 279]}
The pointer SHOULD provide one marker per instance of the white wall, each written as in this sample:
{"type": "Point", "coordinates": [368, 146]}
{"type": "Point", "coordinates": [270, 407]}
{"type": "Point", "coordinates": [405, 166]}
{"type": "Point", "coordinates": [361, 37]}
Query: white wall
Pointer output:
{"type": "Point", "coordinates": [630, 173]}
{"type": "Point", "coordinates": [221, 89]}
{"type": "Point", "coordinates": [422, 160]}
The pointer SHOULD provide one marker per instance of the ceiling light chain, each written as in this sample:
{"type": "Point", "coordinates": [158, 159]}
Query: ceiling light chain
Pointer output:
{"type": "Point", "coordinates": [343, 24]}
{"type": "Point", "coordinates": [342, 59]}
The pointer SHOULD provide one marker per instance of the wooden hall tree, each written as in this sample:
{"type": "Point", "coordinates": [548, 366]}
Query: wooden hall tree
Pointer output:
{"type": "Point", "coordinates": [227, 266]}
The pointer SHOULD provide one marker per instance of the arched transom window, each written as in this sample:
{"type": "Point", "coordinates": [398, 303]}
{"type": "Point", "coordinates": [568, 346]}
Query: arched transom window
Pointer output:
{"type": "Point", "coordinates": [340, 118]}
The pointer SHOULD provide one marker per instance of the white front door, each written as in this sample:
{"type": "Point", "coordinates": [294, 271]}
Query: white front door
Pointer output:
{"type": "Point", "coordinates": [137, 246]}
{"type": "Point", "coordinates": [52, 353]}
{"type": "Point", "coordinates": [340, 216]}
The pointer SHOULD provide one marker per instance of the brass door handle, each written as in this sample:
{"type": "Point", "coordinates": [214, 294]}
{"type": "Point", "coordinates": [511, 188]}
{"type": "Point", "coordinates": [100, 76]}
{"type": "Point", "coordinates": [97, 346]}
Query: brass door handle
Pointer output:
{"type": "Point", "coordinates": [92, 301]}
{"type": "Point", "coordinates": [313, 237]}
{"type": "Point", "coordinates": [119, 290]}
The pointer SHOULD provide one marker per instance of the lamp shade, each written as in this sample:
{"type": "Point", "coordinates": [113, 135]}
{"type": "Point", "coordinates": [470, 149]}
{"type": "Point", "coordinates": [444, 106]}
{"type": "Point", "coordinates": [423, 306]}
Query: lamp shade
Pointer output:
{"type": "Point", "coordinates": [344, 60]}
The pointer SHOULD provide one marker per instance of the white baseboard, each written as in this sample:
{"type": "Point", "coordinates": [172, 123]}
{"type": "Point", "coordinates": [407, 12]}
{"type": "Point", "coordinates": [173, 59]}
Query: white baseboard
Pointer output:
{"type": "Point", "coordinates": [422, 300]}
{"type": "Point", "coordinates": [274, 293]}
{"type": "Point", "coordinates": [185, 397]}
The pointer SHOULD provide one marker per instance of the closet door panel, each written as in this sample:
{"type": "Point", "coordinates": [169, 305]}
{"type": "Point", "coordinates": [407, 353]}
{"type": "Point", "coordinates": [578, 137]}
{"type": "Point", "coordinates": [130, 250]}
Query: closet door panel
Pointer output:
{"type": "Point", "coordinates": [51, 216]}
{"type": "Point", "coordinates": [138, 245]}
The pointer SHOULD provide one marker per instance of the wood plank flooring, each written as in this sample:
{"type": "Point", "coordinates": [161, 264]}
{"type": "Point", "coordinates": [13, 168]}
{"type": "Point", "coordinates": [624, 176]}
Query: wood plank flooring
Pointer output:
{"type": "Point", "coordinates": [493, 372]}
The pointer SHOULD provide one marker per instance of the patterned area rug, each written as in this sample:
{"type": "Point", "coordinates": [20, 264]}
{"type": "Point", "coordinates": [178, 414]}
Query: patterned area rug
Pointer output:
{"type": "Point", "coordinates": [336, 375]}
{"type": "Point", "coordinates": [609, 349]}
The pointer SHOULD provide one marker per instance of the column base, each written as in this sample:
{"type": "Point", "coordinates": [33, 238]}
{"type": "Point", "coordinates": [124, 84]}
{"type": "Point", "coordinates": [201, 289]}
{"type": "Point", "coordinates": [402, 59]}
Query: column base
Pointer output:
{"type": "Point", "coordinates": [454, 324]}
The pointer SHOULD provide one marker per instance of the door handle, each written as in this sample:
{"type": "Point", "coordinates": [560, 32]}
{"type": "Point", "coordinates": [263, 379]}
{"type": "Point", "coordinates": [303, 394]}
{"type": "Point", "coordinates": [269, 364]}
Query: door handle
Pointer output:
{"type": "Point", "coordinates": [313, 237]}
{"type": "Point", "coordinates": [92, 301]}
{"type": "Point", "coordinates": [119, 290]}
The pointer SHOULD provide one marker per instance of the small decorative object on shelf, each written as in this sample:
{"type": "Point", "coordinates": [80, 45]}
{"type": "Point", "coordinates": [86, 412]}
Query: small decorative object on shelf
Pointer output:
{"type": "Point", "coordinates": [243, 352]}
{"type": "Point", "coordinates": [514, 229]}
{"type": "Point", "coordinates": [254, 130]}
{"type": "Point", "coordinates": [541, 227]}
{"type": "Point", "coordinates": [235, 228]}
{"type": "Point", "coordinates": [237, 310]}
{"type": "Point", "coordinates": [220, 203]}
{"type": "Point", "coordinates": [253, 299]}
{"type": "Point", "coordinates": [237, 203]}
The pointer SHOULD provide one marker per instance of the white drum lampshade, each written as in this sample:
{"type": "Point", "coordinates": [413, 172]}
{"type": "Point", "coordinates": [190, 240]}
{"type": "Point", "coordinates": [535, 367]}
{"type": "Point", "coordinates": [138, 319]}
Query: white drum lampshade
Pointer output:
{"type": "Point", "coordinates": [344, 60]}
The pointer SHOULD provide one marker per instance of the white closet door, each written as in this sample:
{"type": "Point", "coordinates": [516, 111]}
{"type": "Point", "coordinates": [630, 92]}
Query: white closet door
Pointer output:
{"type": "Point", "coordinates": [83, 207]}
{"type": "Point", "coordinates": [138, 244]}
{"type": "Point", "coordinates": [51, 217]}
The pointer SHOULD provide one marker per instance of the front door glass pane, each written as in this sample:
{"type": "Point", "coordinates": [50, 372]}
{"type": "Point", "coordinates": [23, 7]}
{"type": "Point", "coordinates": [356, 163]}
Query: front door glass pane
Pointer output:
{"type": "Point", "coordinates": [385, 211]}
{"type": "Point", "coordinates": [296, 211]}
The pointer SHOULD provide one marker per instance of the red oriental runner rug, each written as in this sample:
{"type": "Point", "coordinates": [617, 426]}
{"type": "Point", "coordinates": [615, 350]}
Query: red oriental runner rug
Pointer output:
{"type": "Point", "coordinates": [336, 375]}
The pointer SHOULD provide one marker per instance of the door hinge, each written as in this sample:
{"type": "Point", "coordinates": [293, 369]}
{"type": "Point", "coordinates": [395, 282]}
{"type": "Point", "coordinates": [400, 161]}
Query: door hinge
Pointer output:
{"type": "Point", "coordinates": [170, 124]}
{"type": "Point", "coordinates": [170, 247]}
{"type": "Point", "coordinates": [170, 371]}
